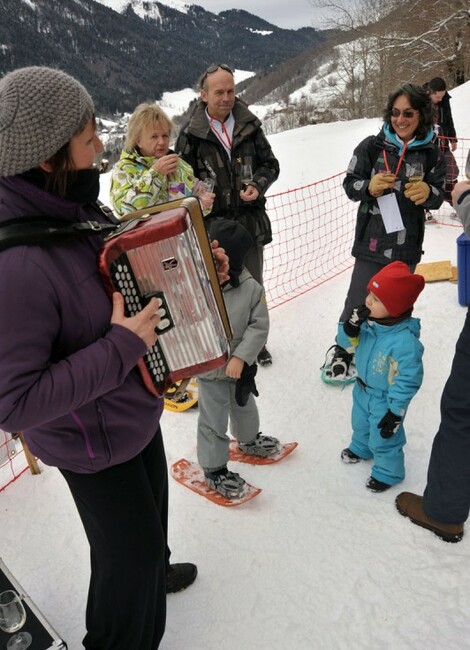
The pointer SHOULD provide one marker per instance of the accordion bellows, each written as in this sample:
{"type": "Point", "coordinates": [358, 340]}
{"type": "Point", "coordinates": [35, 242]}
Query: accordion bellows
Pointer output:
{"type": "Point", "coordinates": [165, 252]}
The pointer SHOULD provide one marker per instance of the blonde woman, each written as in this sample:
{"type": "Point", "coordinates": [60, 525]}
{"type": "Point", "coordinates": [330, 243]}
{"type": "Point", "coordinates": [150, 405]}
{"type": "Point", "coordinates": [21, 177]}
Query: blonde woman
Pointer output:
{"type": "Point", "coordinates": [148, 171]}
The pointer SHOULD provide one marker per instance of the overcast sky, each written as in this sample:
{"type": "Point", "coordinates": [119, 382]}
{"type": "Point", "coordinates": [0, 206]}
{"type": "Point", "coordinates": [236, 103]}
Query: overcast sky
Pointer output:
{"type": "Point", "coordinates": [289, 14]}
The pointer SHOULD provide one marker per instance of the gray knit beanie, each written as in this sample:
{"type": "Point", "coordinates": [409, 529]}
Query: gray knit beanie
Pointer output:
{"type": "Point", "coordinates": [41, 109]}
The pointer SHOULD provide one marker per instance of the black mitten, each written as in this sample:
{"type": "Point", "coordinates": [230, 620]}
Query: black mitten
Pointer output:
{"type": "Point", "coordinates": [389, 424]}
{"type": "Point", "coordinates": [357, 317]}
{"type": "Point", "coordinates": [246, 384]}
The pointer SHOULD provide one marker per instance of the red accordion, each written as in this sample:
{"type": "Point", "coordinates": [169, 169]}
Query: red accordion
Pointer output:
{"type": "Point", "coordinates": [164, 251]}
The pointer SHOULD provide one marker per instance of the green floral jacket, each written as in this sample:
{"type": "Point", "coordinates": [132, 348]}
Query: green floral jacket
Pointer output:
{"type": "Point", "coordinates": [135, 185]}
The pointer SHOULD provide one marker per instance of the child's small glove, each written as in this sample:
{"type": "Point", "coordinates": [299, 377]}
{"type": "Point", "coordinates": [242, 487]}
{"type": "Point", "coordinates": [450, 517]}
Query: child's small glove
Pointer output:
{"type": "Point", "coordinates": [389, 424]}
{"type": "Point", "coordinates": [246, 384]}
{"type": "Point", "coordinates": [358, 315]}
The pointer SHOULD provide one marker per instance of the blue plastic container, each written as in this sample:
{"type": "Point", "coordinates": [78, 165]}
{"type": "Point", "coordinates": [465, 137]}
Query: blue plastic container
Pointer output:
{"type": "Point", "coordinates": [463, 269]}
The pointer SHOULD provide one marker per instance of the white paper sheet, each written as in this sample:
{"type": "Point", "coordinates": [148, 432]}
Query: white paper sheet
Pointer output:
{"type": "Point", "coordinates": [390, 212]}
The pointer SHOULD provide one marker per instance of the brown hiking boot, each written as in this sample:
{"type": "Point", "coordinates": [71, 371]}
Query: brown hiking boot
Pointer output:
{"type": "Point", "coordinates": [411, 505]}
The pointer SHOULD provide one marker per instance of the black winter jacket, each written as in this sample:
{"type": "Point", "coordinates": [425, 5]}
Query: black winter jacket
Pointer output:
{"type": "Point", "coordinates": [445, 120]}
{"type": "Point", "coordinates": [199, 147]}
{"type": "Point", "coordinates": [371, 241]}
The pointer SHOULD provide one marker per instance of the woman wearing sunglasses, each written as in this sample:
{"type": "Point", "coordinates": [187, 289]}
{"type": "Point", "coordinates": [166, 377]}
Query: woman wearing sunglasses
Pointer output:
{"type": "Point", "coordinates": [396, 176]}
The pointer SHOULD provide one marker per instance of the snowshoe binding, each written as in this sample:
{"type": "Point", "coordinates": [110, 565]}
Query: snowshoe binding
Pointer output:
{"type": "Point", "coordinates": [339, 366]}
{"type": "Point", "coordinates": [229, 484]}
{"type": "Point", "coordinates": [263, 446]}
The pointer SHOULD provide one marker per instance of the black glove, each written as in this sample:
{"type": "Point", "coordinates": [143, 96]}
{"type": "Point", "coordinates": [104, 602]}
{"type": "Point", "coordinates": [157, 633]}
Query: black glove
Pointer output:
{"type": "Point", "coordinates": [389, 424]}
{"type": "Point", "coordinates": [353, 324]}
{"type": "Point", "coordinates": [246, 384]}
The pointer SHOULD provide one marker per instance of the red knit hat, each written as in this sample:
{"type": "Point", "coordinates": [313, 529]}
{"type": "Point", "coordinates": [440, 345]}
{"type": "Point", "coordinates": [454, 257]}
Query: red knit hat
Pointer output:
{"type": "Point", "coordinates": [396, 287]}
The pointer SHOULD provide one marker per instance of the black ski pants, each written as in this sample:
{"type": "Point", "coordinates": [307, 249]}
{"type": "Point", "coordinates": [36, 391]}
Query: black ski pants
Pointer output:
{"type": "Point", "coordinates": [124, 510]}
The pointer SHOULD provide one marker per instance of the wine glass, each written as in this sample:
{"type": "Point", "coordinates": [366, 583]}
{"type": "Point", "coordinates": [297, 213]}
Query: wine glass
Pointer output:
{"type": "Point", "coordinates": [467, 166]}
{"type": "Point", "coordinates": [415, 172]}
{"type": "Point", "coordinates": [202, 188]}
{"type": "Point", "coordinates": [246, 175]}
{"type": "Point", "coordinates": [12, 618]}
{"type": "Point", "coordinates": [209, 185]}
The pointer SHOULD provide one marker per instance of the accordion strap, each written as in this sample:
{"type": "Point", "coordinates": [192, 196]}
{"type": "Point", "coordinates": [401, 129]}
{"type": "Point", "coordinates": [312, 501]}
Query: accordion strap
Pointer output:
{"type": "Point", "coordinates": [40, 230]}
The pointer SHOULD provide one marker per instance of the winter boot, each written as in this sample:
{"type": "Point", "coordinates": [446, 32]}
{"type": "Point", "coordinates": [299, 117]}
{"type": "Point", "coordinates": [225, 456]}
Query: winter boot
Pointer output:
{"type": "Point", "coordinates": [263, 446]}
{"type": "Point", "coordinates": [264, 357]}
{"type": "Point", "coordinates": [229, 484]}
{"type": "Point", "coordinates": [348, 456]}
{"type": "Point", "coordinates": [429, 217]}
{"type": "Point", "coordinates": [374, 485]}
{"type": "Point", "coordinates": [180, 576]}
{"type": "Point", "coordinates": [411, 505]}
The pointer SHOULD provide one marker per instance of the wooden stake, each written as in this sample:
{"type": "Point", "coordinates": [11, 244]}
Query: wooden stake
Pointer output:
{"type": "Point", "coordinates": [30, 458]}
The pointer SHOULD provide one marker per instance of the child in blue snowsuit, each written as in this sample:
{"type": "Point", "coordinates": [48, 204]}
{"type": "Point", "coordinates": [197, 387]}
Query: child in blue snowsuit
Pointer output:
{"type": "Point", "coordinates": [389, 372]}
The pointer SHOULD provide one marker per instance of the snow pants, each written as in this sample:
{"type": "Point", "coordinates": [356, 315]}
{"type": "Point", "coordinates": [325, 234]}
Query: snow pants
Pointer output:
{"type": "Point", "coordinates": [447, 495]}
{"type": "Point", "coordinates": [124, 510]}
{"type": "Point", "coordinates": [216, 404]}
{"type": "Point", "coordinates": [369, 407]}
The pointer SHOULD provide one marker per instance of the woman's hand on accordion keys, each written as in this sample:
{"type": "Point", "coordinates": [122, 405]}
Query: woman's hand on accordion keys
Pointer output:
{"type": "Point", "coordinates": [221, 261]}
{"type": "Point", "coordinates": [142, 324]}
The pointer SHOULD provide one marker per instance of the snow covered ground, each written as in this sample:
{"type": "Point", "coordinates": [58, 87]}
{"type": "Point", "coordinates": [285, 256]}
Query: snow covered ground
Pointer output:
{"type": "Point", "coordinates": [316, 562]}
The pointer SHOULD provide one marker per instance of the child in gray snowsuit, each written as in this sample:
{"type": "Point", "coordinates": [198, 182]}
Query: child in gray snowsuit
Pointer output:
{"type": "Point", "coordinates": [229, 390]}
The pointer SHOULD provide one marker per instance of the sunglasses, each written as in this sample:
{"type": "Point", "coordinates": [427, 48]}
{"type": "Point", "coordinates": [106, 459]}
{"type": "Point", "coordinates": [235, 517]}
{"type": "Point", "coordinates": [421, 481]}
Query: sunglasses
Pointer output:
{"type": "Point", "coordinates": [213, 68]}
{"type": "Point", "coordinates": [407, 113]}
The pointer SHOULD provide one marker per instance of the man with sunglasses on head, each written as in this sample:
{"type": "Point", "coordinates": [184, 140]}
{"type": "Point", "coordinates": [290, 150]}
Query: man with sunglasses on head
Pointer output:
{"type": "Point", "coordinates": [222, 136]}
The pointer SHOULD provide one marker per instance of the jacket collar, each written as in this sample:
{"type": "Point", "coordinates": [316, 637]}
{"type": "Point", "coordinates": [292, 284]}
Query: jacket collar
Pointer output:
{"type": "Point", "coordinates": [392, 137]}
{"type": "Point", "coordinates": [199, 124]}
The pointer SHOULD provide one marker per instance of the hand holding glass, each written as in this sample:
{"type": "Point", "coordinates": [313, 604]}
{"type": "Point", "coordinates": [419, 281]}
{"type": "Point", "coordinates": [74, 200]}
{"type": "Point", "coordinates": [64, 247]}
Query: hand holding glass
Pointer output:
{"type": "Point", "coordinates": [246, 175]}
{"type": "Point", "coordinates": [415, 172]}
{"type": "Point", "coordinates": [12, 618]}
{"type": "Point", "coordinates": [203, 187]}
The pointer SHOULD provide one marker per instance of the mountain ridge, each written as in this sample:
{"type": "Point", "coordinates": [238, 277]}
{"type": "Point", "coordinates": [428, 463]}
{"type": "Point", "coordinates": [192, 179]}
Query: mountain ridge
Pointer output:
{"type": "Point", "coordinates": [124, 59]}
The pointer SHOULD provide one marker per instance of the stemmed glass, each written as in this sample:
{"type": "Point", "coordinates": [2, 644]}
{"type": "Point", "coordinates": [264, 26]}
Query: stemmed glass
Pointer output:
{"type": "Point", "coordinates": [209, 185]}
{"type": "Point", "coordinates": [246, 175]}
{"type": "Point", "coordinates": [12, 619]}
{"type": "Point", "coordinates": [415, 172]}
{"type": "Point", "coordinates": [201, 188]}
{"type": "Point", "coordinates": [467, 166]}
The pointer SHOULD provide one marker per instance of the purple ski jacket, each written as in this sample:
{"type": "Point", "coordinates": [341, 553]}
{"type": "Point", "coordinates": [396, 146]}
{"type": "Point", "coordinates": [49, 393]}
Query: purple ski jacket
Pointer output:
{"type": "Point", "coordinates": [68, 380]}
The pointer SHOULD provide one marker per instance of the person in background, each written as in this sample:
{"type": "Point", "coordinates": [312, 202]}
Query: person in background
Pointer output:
{"type": "Point", "coordinates": [390, 372]}
{"type": "Point", "coordinates": [228, 392]}
{"type": "Point", "coordinates": [221, 136]}
{"type": "Point", "coordinates": [390, 217]}
{"type": "Point", "coordinates": [148, 172]}
{"type": "Point", "coordinates": [68, 361]}
{"type": "Point", "coordinates": [444, 507]}
{"type": "Point", "coordinates": [444, 126]}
